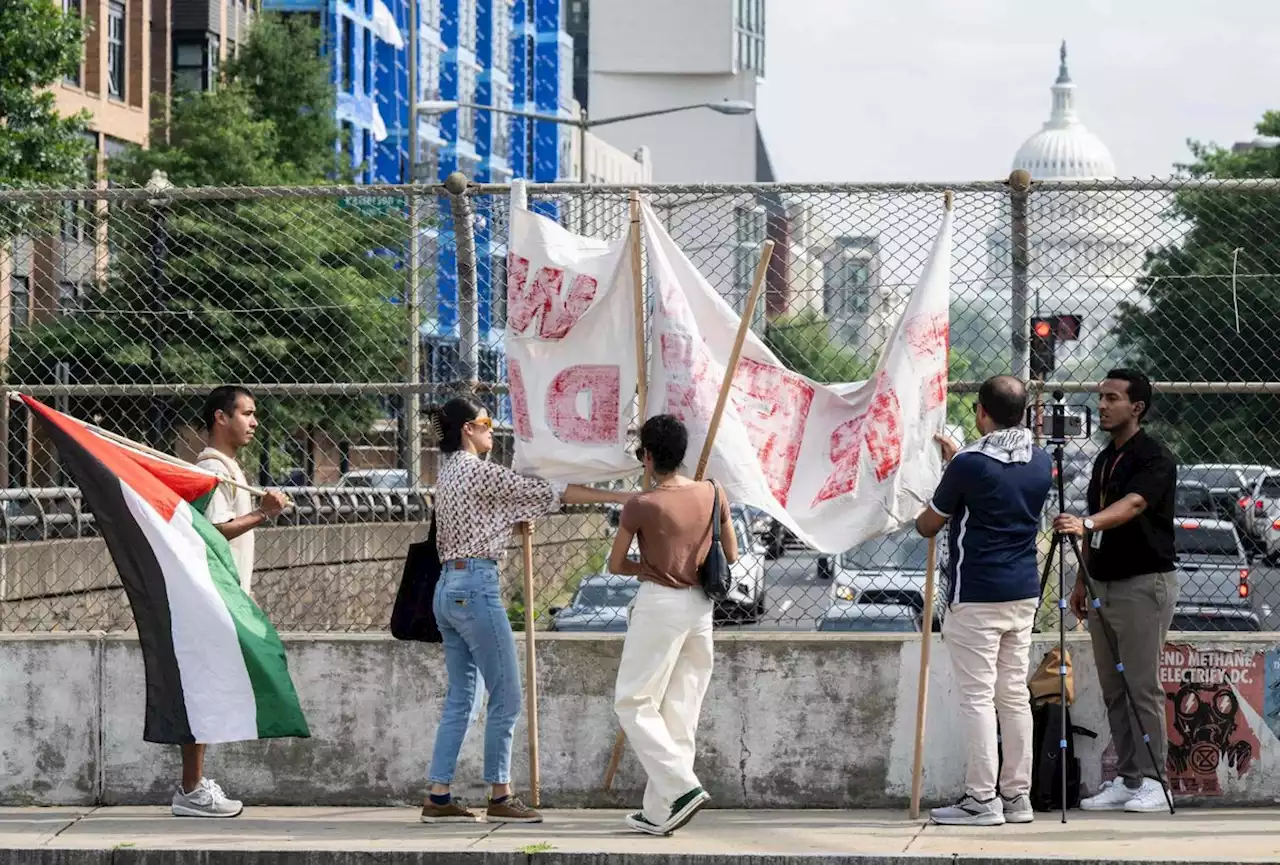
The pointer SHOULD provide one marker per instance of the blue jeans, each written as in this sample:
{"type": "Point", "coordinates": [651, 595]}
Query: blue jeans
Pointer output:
{"type": "Point", "coordinates": [477, 642]}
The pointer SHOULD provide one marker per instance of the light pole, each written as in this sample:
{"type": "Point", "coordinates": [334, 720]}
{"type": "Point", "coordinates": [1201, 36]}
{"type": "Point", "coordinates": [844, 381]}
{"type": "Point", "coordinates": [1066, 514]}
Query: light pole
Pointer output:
{"type": "Point", "coordinates": [732, 107]}
{"type": "Point", "coordinates": [158, 185]}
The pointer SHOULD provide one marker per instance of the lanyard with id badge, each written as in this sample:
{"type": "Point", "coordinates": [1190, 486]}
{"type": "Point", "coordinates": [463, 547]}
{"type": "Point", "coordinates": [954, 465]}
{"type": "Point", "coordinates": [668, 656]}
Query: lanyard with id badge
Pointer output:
{"type": "Point", "coordinates": [1095, 539]}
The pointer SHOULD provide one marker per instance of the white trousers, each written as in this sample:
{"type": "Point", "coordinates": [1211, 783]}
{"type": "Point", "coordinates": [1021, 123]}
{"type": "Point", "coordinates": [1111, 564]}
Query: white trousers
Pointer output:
{"type": "Point", "coordinates": [990, 648]}
{"type": "Point", "coordinates": [664, 673]}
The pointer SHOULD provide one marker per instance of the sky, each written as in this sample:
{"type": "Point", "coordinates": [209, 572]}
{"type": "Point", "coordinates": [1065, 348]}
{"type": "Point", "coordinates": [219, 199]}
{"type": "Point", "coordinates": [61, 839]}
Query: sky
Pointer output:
{"type": "Point", "coordinates": [947, 90]}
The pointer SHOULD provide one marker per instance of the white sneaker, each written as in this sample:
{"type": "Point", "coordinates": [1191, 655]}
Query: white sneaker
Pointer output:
{"type": "Point", "coordinates": [1149, 798]}
{"type": "Point", "coordinates": [1111, 796]}
{"type": "Point", "coordinates": [206, 800]}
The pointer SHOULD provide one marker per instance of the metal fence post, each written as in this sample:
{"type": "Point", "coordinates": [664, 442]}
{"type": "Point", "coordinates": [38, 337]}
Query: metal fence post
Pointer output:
{"type": "Point", "coordinates": [1019, 186]}
{"type": "Point", "coordinates": [468, 311]}
{"type": "Point", "coordinates": [413, 402]}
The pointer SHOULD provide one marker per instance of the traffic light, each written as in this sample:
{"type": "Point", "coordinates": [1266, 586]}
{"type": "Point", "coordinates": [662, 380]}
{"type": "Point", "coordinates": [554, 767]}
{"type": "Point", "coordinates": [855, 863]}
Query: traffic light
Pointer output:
{"type": "Point", "coordinates": [1044, 340]}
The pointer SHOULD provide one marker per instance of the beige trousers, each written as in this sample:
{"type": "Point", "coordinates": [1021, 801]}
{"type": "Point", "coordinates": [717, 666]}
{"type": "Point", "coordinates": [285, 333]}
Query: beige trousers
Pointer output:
{"type": "Point", "coordinates": [662, 678]}
{"type": "Point", "coordinates": [990, 649]}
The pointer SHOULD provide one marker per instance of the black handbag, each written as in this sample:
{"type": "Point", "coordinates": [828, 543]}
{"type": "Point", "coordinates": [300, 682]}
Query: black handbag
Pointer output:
{"type": "Point", "coordinates": [713, 573]}
{"type": "Point", "coordinates": [413, 616]}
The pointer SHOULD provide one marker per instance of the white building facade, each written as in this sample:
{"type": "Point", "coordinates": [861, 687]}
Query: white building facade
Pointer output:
{"type": "Point", "coordinates": [1084, 256]}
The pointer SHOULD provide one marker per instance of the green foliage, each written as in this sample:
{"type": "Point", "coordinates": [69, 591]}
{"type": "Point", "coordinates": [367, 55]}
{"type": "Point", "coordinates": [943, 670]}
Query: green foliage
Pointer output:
{"type": "Point", "coordinates": [803, 343]}
{"type": "Point", "coordinates": [1188, 331]}
{"type": "Point", "coordinates": [288, 82]}
{"type": "Point", "coordinates": [254, 290]}
{"type": "Point", "coordinates": [39, 46]}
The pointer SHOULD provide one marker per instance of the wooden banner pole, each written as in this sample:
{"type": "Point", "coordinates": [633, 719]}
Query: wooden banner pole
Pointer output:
{"type": "Point", "coordinates": [922, 692]}
{"type": "Point", "coordinates": [531, 664]}
{"type": "Point", "coordinates": [757, 286]}
{"type": "Point", "coordinates": [744, 325]}
{"type": "Point", "coordinates": [642, 399]}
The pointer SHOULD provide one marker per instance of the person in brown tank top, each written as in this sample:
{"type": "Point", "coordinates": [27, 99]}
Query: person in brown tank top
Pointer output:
{"type": "Point", "coordinates": [667, 655]}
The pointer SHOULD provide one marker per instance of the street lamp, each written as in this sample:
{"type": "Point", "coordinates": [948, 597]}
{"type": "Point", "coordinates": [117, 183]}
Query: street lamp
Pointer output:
{"type": "Point", "coordinates": [731, 107]}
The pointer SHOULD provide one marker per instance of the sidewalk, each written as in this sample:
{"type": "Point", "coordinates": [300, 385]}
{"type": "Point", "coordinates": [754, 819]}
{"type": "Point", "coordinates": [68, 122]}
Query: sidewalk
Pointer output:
{"type": "Point", "coordinates": [117, 836]}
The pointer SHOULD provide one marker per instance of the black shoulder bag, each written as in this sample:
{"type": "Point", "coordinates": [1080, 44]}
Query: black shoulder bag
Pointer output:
{"type": "Point", "coordinates": [714, 571]}
{"type": "Point", "coordinates": [413, 617]}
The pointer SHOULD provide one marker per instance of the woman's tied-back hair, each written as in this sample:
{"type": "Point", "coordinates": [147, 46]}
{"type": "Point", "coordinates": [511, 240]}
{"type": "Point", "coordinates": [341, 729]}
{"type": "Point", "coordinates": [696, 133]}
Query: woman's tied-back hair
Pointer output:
{"type": "Point", "coordinates": [450, 418]}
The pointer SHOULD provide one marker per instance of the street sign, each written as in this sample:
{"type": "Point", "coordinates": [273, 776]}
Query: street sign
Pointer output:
{"type": "Point", "coordinates": [373, 205]}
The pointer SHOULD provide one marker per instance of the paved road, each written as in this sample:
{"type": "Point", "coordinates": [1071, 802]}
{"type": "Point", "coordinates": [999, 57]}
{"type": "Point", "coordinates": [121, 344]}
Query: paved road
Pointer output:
{"type": "Point", "coordinates": [797, 597]}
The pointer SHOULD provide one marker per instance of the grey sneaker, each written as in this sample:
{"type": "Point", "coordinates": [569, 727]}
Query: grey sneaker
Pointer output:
{"type": "Point", "coordinates": [206, 800]}
{"type": "Point", "coordinates": [970, 812]}
{"type": "Point", "coordinates": [1018, 809]}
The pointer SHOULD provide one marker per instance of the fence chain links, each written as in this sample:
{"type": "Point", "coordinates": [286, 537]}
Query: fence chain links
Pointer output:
{"type": "Point", "coordinates": [124, 307]}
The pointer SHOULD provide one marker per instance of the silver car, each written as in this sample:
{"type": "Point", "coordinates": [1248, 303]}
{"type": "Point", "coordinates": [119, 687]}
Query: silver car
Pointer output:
{"type": "Point", "coordinates": [600, 604]}
{"type": "Point", "coordinates": [887, 575]}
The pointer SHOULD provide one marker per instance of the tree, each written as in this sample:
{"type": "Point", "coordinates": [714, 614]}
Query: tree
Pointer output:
{"type": "Point", "coordinates": [39, 46]}
{"type": "Point", "coordinates": [803, 343]}
{"type": "Point", "coordinates": [1187, 329]}
{"type": "Point", "coordinates": [264, 289]}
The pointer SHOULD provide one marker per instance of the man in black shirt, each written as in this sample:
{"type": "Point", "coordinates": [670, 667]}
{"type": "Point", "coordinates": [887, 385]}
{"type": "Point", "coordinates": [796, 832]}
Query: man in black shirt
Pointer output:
{"type": "Point", "coordinates": [1130, 554]}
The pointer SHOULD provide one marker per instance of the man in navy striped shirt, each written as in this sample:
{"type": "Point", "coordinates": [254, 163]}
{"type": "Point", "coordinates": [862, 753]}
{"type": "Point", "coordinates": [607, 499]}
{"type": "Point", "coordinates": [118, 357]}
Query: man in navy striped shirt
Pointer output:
{"type": "Point", "coordinates": [992, 493]}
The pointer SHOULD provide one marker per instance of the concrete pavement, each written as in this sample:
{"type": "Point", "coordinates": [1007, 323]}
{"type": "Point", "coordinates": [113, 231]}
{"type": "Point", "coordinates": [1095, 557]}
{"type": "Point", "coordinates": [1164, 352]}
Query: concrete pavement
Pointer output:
{"type": "Point", "coordinates": [122, 835]}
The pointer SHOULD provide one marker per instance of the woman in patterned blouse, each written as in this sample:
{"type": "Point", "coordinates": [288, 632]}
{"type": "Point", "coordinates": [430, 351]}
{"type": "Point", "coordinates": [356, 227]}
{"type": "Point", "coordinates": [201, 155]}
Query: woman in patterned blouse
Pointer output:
{"type": "Point", "coordinates": [477, 503]}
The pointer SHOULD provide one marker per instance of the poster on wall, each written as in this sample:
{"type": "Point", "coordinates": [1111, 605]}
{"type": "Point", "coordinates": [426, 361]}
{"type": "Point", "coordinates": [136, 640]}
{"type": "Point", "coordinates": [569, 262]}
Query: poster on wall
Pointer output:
{"type": "Point", "coordinates": [1212, 695]}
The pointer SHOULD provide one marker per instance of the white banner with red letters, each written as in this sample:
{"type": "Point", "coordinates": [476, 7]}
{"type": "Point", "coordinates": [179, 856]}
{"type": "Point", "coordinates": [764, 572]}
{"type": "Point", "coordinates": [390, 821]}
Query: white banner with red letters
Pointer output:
{"type": "Point", "coordinates": [837, 467]}
{"type": "Point", "coordinates": [571, 357]}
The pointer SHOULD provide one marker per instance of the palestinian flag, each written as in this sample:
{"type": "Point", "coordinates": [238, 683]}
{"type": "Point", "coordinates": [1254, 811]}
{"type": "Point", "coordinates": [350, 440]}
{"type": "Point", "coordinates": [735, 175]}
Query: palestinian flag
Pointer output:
{"type": "Point", "coordinates": [215, 667]}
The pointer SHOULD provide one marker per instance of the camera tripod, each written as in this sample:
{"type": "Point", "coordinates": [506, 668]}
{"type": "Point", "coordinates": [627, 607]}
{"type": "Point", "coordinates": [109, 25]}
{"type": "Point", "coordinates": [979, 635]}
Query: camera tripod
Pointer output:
{"type": "Point", "coordinates": [1058, 440]}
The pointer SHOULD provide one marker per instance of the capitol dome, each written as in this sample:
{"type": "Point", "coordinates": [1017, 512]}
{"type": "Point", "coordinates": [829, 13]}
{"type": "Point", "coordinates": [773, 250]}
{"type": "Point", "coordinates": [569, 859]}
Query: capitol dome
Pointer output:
{"type": "Point", "coordinates": [1064, 149]}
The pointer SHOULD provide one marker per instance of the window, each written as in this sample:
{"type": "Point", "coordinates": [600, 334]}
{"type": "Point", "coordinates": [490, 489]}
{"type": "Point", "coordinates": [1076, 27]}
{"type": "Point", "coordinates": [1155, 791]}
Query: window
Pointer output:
{"type": "Point", "coordinates": [72, 221]}
{"type": "Point", "coordinates": [429, 63]}
{"type": "Point", "coordinates": [498, 291]}
{"type": "Point", "coordinates": [367, 155]}
{"type": "Point", "coordinates": [467, 25]}
{"type": "Point", "coordinates": [466, 93]}
{"type": "Point", "coordinates": [349, 142]}
{"type": "Point", "coordinates": [115, 50]}
{"type": "Point", "coordinates": [190, 66]}
{"type": "Point", "coordinates": [368, 60]}
{"type": "Point", "coordinates": [347, 51]}
{"type": "Point", "coordinates": [748, 231]}
{"type": "Point", "coordinates": [749, 24]}
{"type": "Point", "coordinates": [844, 287]}
{"type": "Point", "coordinates": [20, 300]}
{"type": "Point", "coordinates": [72, 9]}
{"type": "Point", "coordinates": [501, 124]}
{"type": "Point", "coordinates": [429, 13]}
{"type": "Point", "coordinates": [68, 298]}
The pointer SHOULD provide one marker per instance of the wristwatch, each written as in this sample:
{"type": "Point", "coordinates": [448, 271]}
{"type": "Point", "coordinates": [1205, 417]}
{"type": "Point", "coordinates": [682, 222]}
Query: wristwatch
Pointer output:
{"type": "Point", "coordinates": [1088, 524]}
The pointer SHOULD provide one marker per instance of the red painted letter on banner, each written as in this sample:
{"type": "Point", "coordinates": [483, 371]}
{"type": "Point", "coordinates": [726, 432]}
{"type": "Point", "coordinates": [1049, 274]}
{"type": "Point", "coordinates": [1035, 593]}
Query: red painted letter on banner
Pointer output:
{"type": "Point", "coordinates": [525, 302]}
{"type": "Point", "coordinates": [557, 326]}
{"type": "Point", "coordinates": [519, 401]}
{"type": "Point", "coordinates": [602, 385]}
{"type": "Point", "coordinates": [880, 429]}
{"type": "Point", "coordinates": [774, 405]}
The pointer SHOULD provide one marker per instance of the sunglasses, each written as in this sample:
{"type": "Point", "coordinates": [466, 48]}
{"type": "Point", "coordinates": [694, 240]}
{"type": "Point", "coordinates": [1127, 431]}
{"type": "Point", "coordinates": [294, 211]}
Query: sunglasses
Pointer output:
{"type": "Point", "coordinates": [485, 422]}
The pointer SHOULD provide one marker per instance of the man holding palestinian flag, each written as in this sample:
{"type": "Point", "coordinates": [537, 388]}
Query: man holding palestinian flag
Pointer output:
{"type": "Point", "coordinates": [215, 667]}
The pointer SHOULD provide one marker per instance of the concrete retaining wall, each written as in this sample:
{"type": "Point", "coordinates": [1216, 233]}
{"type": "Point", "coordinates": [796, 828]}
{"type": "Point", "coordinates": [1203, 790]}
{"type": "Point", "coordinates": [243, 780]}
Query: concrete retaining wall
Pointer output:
{"type": "Point", "coordinates": [306, 578]}
{"type": "Point", "coordinates": [792, 720]}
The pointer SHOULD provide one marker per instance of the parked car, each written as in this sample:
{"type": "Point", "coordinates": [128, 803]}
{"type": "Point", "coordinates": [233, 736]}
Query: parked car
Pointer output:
{"type": "Point", "coordinates": [748, 595]}
{"type": "Point", "coordinates": [1213, 577]}
{"type": "Point", "coordinates": [1233, 487]}
{"type": "Point", "coordinates": [600, 604]}
{"type": "Point", "coordinates": [378, 479]}
{"type": "Point", "coordinates": [1262, 504]}
{"type": "Point", "coordinates": [871, 618]}
{"type": "Point", "coordinates": [885, 574]}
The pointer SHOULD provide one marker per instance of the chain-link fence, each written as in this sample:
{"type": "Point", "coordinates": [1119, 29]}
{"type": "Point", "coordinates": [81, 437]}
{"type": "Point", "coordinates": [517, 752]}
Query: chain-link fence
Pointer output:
{"type": "Point", "coordinates": [348, 310]}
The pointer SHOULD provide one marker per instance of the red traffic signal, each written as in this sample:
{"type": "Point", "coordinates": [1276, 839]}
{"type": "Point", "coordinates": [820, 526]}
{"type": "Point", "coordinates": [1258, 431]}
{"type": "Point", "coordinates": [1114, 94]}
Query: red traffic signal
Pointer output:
{"type": "Point", "coordinates": [1043, 328]}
